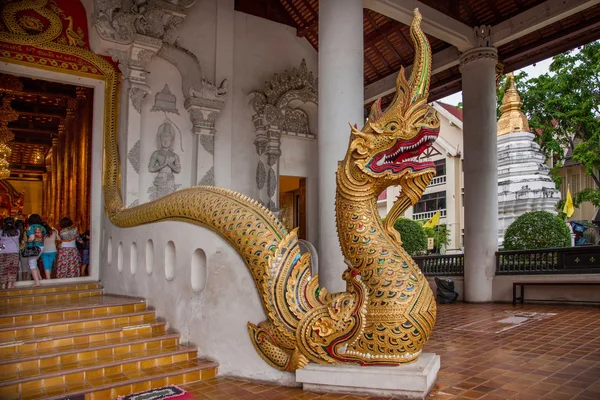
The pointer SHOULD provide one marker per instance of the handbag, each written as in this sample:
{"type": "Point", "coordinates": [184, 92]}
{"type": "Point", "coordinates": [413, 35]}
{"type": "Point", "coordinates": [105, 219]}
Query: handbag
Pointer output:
{"type": "Point", "coordinates": [30, 251]}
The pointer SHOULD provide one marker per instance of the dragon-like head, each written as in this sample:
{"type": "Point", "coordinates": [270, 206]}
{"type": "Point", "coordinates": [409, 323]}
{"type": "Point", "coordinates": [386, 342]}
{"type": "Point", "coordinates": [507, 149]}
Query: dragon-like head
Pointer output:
{"type": "Point", "coordinates": [390, 143]}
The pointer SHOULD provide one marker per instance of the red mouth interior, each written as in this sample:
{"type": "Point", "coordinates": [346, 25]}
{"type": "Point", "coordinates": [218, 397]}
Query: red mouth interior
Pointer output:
{"type": "Point", "coordinates": [405, 153]}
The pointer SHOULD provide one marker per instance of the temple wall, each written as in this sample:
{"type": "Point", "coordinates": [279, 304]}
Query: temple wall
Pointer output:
{"type": "Point", "coordinates": [33, 195]}
{"type": "Point", "coordinates": [263, 48]}
{"type": "Point", "coordinates": [193, 278]}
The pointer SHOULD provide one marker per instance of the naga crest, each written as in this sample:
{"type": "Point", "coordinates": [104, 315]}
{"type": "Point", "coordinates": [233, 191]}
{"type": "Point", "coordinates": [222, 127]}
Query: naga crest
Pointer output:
{"type": "Point", "coordinates": [390, 143]}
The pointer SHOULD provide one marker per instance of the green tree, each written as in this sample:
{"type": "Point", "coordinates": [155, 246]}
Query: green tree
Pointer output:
{"type": "Point", "coordinates": [440, 235]}
{"type": "Point", "coordinates": [564, 107]}
{"type": "Point", "coordinates": [413, 238]}
{"type": "Point", "coordinates": [537, 230]}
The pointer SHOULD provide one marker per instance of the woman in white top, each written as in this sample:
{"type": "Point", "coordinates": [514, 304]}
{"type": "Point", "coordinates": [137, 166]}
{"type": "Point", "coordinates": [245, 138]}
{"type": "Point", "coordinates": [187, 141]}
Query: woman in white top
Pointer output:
{"type": "Point", "coordinates": [49, 253]}
{"type": "Point", "coordinates": [9, 253]}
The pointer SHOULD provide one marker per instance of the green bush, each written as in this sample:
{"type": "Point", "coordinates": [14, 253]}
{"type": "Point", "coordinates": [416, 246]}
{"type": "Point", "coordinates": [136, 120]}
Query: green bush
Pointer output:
{"type": "Point", "coordinates": [413, 238]}
{"type": "Point", "coordinates": [537, 230]}
{"type": "Point", "coordinates": [440, 235]}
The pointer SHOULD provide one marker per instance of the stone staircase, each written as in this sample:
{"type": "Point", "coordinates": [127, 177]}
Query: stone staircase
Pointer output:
{"type": "Point", "coordinates": [73, 341]}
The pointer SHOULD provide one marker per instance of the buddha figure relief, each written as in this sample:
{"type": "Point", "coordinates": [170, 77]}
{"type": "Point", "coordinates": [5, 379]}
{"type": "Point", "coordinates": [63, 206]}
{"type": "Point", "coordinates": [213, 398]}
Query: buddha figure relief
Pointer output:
{"type": "Point", "coordinates": [164, 162]}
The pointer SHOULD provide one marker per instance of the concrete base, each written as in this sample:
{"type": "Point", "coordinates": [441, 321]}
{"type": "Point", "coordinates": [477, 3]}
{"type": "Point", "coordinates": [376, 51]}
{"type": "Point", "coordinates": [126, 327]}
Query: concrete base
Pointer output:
{"type": "Point", "coordinates": [410, 381]}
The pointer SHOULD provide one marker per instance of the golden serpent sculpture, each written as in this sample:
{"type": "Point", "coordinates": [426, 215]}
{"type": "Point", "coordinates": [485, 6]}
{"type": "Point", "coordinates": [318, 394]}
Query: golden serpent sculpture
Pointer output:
{"type": "Point", "coordinates": [387, 312]}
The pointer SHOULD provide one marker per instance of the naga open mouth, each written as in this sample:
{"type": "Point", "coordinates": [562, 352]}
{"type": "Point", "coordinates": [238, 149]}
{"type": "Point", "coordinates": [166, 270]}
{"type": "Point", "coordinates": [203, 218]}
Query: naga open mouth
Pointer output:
{"type": "Point", "coordinates": [405, 154]}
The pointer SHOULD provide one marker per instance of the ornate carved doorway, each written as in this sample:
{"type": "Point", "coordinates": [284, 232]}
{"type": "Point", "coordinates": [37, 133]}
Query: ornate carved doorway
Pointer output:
{"type": "Point", "coordinates": [292, 202]}
{"type": "Point", "coordinates": [48, 148]}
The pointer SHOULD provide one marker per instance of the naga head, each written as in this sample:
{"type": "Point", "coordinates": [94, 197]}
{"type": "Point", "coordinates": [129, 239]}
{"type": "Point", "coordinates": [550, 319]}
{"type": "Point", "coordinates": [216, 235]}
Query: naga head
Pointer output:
{"type": "Point", "coordinates": [391, 142]}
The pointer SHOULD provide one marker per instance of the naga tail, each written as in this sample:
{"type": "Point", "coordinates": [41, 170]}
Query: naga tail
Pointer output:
{"type": "Point", "coordinates": [281, 274]}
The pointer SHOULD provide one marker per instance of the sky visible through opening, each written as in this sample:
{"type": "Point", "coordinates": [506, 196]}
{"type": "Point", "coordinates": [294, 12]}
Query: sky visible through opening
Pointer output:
{"type": "Point", "coordinates": [532, 71]}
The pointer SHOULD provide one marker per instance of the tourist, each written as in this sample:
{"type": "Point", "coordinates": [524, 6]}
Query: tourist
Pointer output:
{"type": "Point", "coordinates": [9, 253]}
{"type": "Point", "coordinates": [49, 253]}
{"type": "Point", "coordinates": [68, 261]}
{"type": "Point", "coordinates": [34, 246]}
{"type": "Point", "coordinates": [24, 267]}
{"type": "Point", "coordinates": [84, 251]}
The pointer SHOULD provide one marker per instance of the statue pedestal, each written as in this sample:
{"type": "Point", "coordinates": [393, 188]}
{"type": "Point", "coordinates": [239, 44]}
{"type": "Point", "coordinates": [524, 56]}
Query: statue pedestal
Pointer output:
{"type": "Point", "coordinates": [410, 381]}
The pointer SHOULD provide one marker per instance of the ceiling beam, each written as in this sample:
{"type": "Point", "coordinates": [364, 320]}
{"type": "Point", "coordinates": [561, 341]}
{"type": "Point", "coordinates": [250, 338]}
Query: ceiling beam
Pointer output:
{"type": "Point", "coordinates": [557, 49]}
{"type": "Point", "coordinates": [38, 114]}
{"type": "Point", "coordinates": [310, 28]}
{"type": "Point", "coordinates": [435, 23]}
{"type": "Point", "coordinates": [46, 132]}
{"type": "Point", "coordinates": [537, 18]}
{"type": "Point", "coordinates": [386, 29]}
{"type": "Point", "coordinates": [568, 37]}
{"type": "Point", "coordinates": [442, 60]}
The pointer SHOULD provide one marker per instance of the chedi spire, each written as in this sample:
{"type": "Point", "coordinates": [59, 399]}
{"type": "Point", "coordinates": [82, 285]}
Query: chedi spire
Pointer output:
{"type": "Point", "coordinates": [512, 118]}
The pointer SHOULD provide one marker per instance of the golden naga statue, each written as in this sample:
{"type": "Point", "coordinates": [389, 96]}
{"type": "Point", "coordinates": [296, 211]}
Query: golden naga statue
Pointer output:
{"type": "Point", "coordinates": [387, 312]}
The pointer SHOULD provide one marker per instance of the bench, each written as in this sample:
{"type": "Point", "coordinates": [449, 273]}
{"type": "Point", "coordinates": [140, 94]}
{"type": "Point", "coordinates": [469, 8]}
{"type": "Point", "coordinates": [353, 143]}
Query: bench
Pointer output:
{"type": "Point", "coordinates": [522, 285]}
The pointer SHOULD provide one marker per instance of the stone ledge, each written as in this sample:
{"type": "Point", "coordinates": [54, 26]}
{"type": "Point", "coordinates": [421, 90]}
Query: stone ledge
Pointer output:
{"type": "Point", "coordinates": [410, 381]}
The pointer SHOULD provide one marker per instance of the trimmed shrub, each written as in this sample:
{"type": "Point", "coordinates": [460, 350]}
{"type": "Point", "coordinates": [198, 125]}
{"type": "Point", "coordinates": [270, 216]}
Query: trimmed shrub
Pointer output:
{"type": "Point", "coordinates": [413, 238]}
{"type": "Point", "coordinates": [537, 230]}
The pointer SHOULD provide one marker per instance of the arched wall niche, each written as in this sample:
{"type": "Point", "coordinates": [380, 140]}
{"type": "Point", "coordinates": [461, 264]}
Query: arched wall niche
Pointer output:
{"type": "Point", "coordinates": [281, 109]}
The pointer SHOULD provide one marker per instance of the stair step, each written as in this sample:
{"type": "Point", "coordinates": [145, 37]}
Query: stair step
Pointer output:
{"type": "Point", "coordinates": [54, 352]}
{"type": "Point", "coordinates": [60, 341]}
{"type": "Point", "coordinates": [61, 310]}
{"type": "Point", "coordinates": [78, 335]}
{"type": "Point", "coordinates": [46, 331]}
{"type": "Point", "coordinates": [114, 385]}
{"type": "Point", "coordinates": [35, 378]}
{"type": "Point", "coordinates": [46, 298]}
{"type": "Point", "coordinates": [48, 289]}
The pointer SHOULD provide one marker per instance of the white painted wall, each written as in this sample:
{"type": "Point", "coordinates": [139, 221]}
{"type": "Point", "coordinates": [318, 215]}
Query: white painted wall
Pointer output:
{"type": "Point", "coordinates": [215, 318]}
{"type": "Point", "coordinates": [263, 48]}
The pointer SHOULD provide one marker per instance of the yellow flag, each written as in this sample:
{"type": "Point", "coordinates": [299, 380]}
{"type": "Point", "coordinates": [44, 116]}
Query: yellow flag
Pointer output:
{"type": "Point", "coordinates": [433, 221]}
{"type": "Point", "coordinates": [568, 208]}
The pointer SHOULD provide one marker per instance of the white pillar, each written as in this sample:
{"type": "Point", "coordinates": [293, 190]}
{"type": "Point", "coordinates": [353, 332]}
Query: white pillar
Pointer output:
{"type": "Point", "coordinates": [452, 211]}
{"type": "Point", "coordinates": [481, 171]}
{"type": "Point", "coordinates": [224, 70]}
{"type": "Point", "coordinates": [341, 87]}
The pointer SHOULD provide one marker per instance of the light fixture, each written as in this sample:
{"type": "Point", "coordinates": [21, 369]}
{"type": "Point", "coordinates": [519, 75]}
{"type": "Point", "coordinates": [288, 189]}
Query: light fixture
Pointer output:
{"type": "Point", "coordinates": [5, 150]}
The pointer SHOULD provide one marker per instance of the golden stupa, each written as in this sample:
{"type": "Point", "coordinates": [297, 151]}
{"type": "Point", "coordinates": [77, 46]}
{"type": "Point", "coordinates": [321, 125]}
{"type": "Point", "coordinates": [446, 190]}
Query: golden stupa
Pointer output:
{"type": "Point", "coordinates": [512, 118]}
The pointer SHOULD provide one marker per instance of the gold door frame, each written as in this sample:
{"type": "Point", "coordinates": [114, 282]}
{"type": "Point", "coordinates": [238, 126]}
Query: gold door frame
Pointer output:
{"type": "Point", "coordinates": [44, 51]}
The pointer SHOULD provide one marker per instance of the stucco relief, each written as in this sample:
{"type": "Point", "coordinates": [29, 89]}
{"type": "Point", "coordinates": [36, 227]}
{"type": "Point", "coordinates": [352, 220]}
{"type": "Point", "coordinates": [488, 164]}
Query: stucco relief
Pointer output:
{"type": "Point", "coordinates": [151, 27]}
{"type": "Point", "coordinates": [164, 162]}
{"type": "Point", "coordinates": [208, 179]}
{"type": "Point", "coordinates": [276, 113]}
{"type": "Point", "coordinates": [134, 157]}
{"type": "Point", "coordinates": [136, 95]}
{"type": "Point", "coordinates": [165, 101]}
{"type": "Point", "coordinates": [208, 143]}
{"type": "Point", "coordinates": [121, 20]}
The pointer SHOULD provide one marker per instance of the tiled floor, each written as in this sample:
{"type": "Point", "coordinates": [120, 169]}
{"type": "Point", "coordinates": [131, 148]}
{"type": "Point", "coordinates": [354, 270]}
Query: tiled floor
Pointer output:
{"type": "Point", "coordinates": [488, 351]}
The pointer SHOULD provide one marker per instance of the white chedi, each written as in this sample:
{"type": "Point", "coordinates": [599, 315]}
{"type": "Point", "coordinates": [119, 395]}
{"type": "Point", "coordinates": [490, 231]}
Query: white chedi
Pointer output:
{"type": "Point", "coordinates": [524, 182]}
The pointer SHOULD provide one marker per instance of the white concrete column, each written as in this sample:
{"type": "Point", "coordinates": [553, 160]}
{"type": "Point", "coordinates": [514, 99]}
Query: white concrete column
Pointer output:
{"type": "Point", "coordinates": [224, 70]}
{"type": "Point", "coordinates": [341, 87]}
{"type": "Point", "coordinates": [452, 212]}
{"type": "Point", "coordinates": [136, 93]}
{"type": "Point", "coordinates": [481, 171]}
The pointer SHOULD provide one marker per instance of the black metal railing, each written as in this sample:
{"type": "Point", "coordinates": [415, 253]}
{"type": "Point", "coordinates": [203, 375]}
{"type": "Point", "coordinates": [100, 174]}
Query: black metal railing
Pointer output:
{"type": "Point", "coordinates": [568, 260]}
{"type": "Point", "coordinates": [446, 265]}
